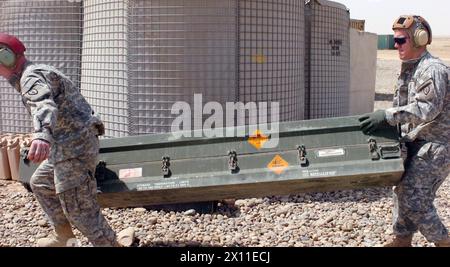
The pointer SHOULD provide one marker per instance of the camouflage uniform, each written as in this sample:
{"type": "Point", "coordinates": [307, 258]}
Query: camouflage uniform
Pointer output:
{"type": "Point", "coordinates": [64, 184]}
{"type": "Point", "coordinates": [422, 110]}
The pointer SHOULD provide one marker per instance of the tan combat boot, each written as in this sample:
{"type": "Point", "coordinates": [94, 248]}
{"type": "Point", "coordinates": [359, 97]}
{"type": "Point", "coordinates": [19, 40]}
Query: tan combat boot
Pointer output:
{"type": "Point", "coordinates": [443, 243]}
{"type": "Point", "coordinates": [400, 241]}
{"type": "Point", "coordinates": [59, 239]}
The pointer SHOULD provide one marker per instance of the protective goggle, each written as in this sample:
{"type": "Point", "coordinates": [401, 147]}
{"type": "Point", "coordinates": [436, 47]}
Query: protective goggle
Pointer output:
{"type": "Point", "coordinates": [7, 57]}
{"type": "Point", "coordinates": [400, 40]}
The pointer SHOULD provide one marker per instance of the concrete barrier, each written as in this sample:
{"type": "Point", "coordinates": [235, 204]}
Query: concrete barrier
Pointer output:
{"type": "Point", "coordinates": [363, 65]}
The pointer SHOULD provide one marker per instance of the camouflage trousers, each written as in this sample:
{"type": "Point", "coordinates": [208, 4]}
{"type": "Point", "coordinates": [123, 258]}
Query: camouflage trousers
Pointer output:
{"type": "Point", "coordinates": [78, 205]}
{"type": "Point", "coordinates": [426, 167]}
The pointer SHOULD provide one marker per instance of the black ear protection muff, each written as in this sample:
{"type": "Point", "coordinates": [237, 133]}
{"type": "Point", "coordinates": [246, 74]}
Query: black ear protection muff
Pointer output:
{"type": "Point", "coordinates": [418, 28]}
{"type": "Point", "coordinates": [7, 57]}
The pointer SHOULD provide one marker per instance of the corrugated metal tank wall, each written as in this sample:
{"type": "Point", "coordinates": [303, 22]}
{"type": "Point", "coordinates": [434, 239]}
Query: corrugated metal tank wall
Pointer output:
{"type": "Point", "coordinates": [328, 62]}
{"type": "Point", "coordinates": [51, 31]}
{"type": "Point", "coordinates": [104, 71]}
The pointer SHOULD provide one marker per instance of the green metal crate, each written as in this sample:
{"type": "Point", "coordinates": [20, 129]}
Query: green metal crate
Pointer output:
{"type": "Point", "coordinates": [312, 156]}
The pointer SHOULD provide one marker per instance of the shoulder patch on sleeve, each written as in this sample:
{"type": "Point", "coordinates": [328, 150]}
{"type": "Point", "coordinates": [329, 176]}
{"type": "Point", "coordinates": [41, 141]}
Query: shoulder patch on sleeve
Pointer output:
{"type": "Point", "coordinates": [29, 83]}
{"type": "Point", "coordinates": [424, 85]}
{"type": "Point", "coordinates": [425, 90]}
{"type": "Point", "coordinates": [37, 92]}
{"type": "Point", "coordinates": [34, 87]}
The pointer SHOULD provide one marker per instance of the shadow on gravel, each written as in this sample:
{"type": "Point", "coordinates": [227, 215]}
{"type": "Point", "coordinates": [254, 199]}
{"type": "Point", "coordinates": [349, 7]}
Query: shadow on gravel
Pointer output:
{"type": "Point", "coordinates": [224, 207]}
{"type": "Point", "coordinates": [200, 207]}
{"type": "Point", "coordinates": [182, 244]}
{"type": "Point", "coordinates": [361, 195]}
{"type": "Point", "coordinates": [227, 208]}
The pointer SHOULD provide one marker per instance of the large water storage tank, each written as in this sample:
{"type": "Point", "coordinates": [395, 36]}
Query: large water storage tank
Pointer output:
{"type": "Point", "coordinates": [167, 51]}
{"type": "Point", "coordinates": [327, 59]}
{"type": "Point", "coordinates": [51, 31]}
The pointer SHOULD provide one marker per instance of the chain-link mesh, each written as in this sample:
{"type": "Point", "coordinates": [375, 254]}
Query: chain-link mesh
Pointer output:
{"type": "Point", "coordinates": [224, 50]}
{"type": "Point", "coordinates": [134, 59]}
{"type": "Point", "coordinates": [51, 31]}
{"type": "Point", "coordinates": [272, 54]}
{"type": "Point", "coordinates": [104, 71]}
{"type": "Point", "coordinates": [179, 48]}
{"type": "Point", "coordinates": [328, 62]}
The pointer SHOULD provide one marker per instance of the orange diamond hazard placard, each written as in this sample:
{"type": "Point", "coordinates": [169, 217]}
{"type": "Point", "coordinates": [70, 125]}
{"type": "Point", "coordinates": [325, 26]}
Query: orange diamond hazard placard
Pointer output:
{"type": "Point", "coordinates": [278, 165]}
{"type": "Point", "coordinates": [258, 139]}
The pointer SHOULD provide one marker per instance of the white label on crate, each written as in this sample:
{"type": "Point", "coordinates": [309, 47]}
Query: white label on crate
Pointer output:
{"type": "Point", "coordinates": [163, 185]}
{"type": "Point", "coordinates": [331, 153]}
{"type": "Point", "coordinates": [130, 173]}
{"type": "Point", "coordinates": [318, 173]}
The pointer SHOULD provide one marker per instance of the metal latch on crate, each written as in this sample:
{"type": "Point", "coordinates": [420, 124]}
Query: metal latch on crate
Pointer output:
{"type": "Point", "coordinates": [232, 162]}
{"type": "Point", "coordinates": [383, 151]}
{"type": "Point", "coordinates": [373, 149]}
{"type": "Point", "coordinates": [390, 151]}
{"type": "Point", "coordinates": [302, 155]}
{"type": "Point", "coordinates": [165, 168]}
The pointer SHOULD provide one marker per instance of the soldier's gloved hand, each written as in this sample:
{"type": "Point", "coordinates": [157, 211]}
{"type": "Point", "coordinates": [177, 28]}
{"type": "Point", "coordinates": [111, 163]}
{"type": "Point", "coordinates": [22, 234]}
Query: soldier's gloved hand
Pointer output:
{"type": "Point", "coordinates": [39, 151]}
{"type": "Point", "coordinates": [372, 121]}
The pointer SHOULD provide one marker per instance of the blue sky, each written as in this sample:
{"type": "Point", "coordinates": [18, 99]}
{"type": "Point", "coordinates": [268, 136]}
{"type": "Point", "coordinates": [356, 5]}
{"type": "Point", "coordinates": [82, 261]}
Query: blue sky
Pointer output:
{"type": "Point", "coordinates": [380, 14]}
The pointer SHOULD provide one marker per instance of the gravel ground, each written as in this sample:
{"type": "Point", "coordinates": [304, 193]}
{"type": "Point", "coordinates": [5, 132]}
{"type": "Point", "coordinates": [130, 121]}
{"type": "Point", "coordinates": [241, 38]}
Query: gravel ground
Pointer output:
{"type": "Point", "coordinates": [360, 218]}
